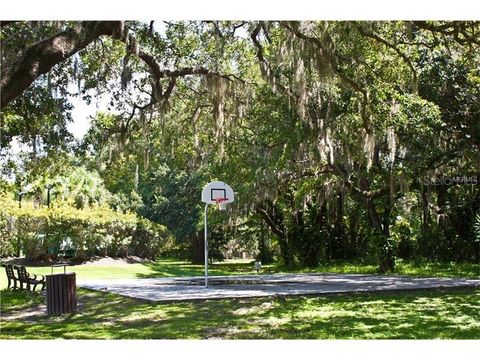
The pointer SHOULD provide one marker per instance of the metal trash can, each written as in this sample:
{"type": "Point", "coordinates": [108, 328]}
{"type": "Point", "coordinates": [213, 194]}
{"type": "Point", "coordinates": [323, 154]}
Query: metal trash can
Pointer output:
{"type": "Point", "coordinates": [61, 293]}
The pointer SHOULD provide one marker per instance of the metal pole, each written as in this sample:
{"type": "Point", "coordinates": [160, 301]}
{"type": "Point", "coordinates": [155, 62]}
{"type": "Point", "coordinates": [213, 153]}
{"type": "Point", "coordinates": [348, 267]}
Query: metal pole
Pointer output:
{"type": "Point", "coordinates": [206, 246]}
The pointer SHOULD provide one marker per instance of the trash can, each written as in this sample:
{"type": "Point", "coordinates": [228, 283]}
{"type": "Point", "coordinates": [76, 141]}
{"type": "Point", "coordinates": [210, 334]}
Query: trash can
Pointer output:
{"type": "Point", "coordinates": [61, 293]}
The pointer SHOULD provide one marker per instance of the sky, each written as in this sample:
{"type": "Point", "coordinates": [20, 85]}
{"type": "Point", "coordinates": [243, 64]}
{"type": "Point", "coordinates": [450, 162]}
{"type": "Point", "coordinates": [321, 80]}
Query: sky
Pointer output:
{"type": "Point", "coordinates": [81, 115]}
{"type": "Point", "coordinates": [82, 112]}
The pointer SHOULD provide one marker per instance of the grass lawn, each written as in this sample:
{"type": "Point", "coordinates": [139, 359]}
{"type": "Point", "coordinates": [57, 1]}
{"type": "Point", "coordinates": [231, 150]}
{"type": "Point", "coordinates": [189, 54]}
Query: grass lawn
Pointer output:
{"type": "Point", "coordinates": [171, 267]}
{"type": "Point", "coordinates": [410, 315]}
{"type": "Point", "coordinates": [425, 314]}
{"type": "Point", "coordinates": [420, 268]}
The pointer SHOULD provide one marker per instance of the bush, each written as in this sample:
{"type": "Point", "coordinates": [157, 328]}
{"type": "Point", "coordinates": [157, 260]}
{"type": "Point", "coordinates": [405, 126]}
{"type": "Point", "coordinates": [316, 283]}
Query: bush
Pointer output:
{"type": "Point", "coordinates": [42, 231]}
{"type": "Point", "coordinates": [151, 239]}
{"type": "Point", "coordinates": [403, 235]}
{"type": "Point", "coordinates": [6, 239]}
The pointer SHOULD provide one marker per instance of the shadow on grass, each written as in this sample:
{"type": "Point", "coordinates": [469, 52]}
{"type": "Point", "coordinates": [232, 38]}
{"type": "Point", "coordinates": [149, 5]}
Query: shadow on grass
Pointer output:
{"type": "Point", "coordinates": [16, 300]}
{"type": "Point", "coordinates": [421, 315]}
{"type": "Point", "coordinates": [168, 268]}
{"type": "Point", "coordinates": [172, 267]}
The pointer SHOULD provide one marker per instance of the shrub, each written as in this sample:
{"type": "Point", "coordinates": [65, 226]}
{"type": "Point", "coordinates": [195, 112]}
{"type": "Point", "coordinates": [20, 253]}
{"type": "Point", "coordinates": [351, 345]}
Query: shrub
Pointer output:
{"type": "Point", "coordinates": [403, 235]}
{"type": "Point", "coordinates": [151, 239]}
{"type": "Point", "coordinates": [7, 247]}
{"type": "Point", "coordinates": [42, 231]}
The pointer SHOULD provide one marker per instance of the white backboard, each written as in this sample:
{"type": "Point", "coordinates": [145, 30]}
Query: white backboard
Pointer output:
{"type": "Point", "coordinates": [216, 190]}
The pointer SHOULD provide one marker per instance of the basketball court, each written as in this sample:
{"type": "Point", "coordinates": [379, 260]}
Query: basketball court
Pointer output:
{"type": "Point", "coordinates": [228, 287]}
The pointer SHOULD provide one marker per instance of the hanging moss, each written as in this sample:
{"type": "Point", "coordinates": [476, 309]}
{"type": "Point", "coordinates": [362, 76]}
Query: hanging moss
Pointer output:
{"type": "Point", "coordinates": [127, 72]}
{"type": "Point", "coordinates": [391, 145]}
{"type": "Point", "coordinates": [369, 147]}
{"type": "Point", "coordinates": [219, 88]}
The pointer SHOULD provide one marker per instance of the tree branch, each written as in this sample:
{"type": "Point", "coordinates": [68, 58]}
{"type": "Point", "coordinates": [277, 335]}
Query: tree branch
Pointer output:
{"type": "Point", "coordinates": [265, 67]}
{"type": "Point", "coordinates": [42, 56]}
{"type": "Point", "coordinates": [397, 50]}
{"type": "Point", "coordinates": [276, 228]}
{"type": "Point", "coordinates": [453, 28]}
{"type": "Point", "coordinates": [159, 73]}
{"type": "Point", "coordinates": [7, 23]}
{"type": "Point", "coordinates": [363, 193]}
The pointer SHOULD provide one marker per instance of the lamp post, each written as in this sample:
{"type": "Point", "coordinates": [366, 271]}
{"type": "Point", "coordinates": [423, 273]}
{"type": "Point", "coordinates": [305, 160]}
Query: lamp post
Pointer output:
{"type": "Point", "coordinates": [49, 187]}
{"type": "Point", "coordinates": [20, 196]}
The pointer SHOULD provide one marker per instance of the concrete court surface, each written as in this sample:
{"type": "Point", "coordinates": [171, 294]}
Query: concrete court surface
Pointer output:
{"type": "Point", "coordinates": [227, 287]}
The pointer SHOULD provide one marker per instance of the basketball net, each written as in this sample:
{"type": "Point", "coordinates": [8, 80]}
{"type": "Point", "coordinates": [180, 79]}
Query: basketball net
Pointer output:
{"type": "Point", "coordinates": [222, 203]}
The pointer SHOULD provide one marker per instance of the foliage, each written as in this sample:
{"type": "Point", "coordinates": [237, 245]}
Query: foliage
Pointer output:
{"type": "Point", "coordinates": [7, 247]}
{"type": "Point", "coordinates": [404, 235]}
{"type": "Point", "coordinates": [172, 197]}
{"type": "Point", "coordinates": [37, 231]}
{"type": "Point", "coordinates": [335, 135]}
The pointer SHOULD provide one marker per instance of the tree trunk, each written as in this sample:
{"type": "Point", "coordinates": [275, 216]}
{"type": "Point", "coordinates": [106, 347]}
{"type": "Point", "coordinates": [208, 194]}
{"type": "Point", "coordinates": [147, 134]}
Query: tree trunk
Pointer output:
{"type": "Point", "coordinates": [382, 229]}
{"type": "Point", "coordinates": [425, 221]}
{"type": "Point", "coordinates": [387, 261]}
{"type": "Point", "coordinates": [264, 252]}
{"type": "Point", "coordinates": [477, 255]}
{"type": "Point", "coordinates": [275, 221]}
{"type": "Point", "coordinates": [339, 226]}
{"type": "Point", "coordinates": [198, 247]}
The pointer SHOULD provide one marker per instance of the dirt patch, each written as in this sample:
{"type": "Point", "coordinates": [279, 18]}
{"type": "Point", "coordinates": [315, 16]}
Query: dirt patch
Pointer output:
{"type": "Point", "coordinates": [108, 261]}
{"type": "Point", "coordinates": [37, 312]}
{"type": "Point", "coordinates": [251, 310]}
{"type": "Point", "coordinates": [93, 261]}
{"type": "Point", "coordinates": [31, 314]}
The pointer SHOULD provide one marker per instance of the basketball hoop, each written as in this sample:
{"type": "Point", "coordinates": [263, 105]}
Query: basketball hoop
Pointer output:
{"type": "Point", "coordinates": [222, 203]}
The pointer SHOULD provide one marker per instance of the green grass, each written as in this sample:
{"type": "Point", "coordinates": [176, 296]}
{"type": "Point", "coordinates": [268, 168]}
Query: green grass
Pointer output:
{"type": "Point", "coordinates": [419, 268]}
{"type": "Point", "coordinates": [160, 268]}
{"type": "Point", "coordinates": [171, 267]}
{"type": "Point", "coordinates": [410, 315]}
{"type": "Point", "coordinates": [426, 314]}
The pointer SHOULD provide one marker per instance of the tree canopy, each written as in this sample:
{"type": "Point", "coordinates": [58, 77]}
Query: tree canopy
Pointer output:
{"type": "Point", "coordinates": [342, 139]}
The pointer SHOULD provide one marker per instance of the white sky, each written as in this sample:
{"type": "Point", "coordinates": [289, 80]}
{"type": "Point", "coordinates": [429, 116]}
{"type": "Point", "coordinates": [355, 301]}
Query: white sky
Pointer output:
{"type": "Point", "coordinates": [81, 115]}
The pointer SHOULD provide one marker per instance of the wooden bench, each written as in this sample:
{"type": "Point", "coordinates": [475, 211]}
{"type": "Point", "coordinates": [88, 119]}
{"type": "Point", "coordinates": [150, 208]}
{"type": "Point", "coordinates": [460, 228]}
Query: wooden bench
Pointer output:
{"type": "Point", "coordinates": [25, 278]}
{"type": "Point", "coordinates": [10, 276]}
